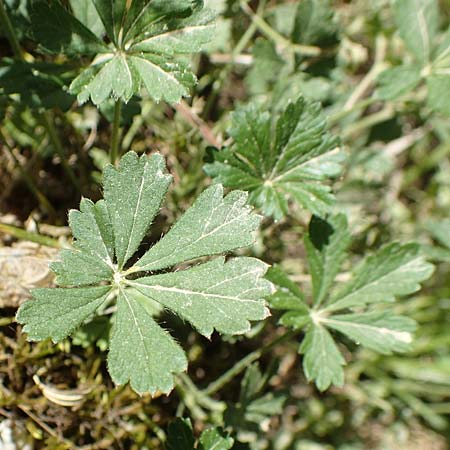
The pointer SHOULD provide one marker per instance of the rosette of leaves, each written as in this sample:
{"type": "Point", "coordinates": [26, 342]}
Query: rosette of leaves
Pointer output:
{"type": "Point", "coordinates": [355, 308]}
{"type": "Point", "coordinates": [418, 25]}
{"type": "Point", "coordinates": [216, 295]}
{"type": "Point", "coordinates": [133, 44]}
{"type": "Point", "coordinates": [276, 158]}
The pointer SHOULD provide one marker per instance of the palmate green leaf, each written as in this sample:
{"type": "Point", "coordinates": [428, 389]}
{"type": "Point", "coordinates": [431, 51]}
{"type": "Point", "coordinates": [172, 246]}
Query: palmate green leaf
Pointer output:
{"type": "Point", "coordinates": [216, 295]}
{"type": "Point", "coordinates": [255, 404]}
{"type": "Point", "coordinates": [290, 160]}
{"type": "Point", "coordinates": [146, 36]}
{"type": "Point", "coordinates": [91, 261]}
{"type": "Point", "coordinates": [380, 331]}
{"type": "Point", "coordinates": [354, 309]}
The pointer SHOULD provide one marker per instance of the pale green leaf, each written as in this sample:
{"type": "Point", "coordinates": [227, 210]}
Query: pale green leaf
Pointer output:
{"type": "Point", "coordinates": [383, 332]}
{"type": "Point", "coordinates": [77, 268]}
{"type": "Point", "coordinates": [145, 18]}
{"type": "Point", "coordinates": [161, 80]}
{"type": "Point", "coordinates": [265, 69]}
{"type": "Point", "coordinates": [288, 295]}
{"type": "Point", "coordinates": [441, 231]}
{"type": "Point", "coordinates": [397, 81]}
{"type": "Point", "coordinates": [187, 36]}
{"type": "Point", "coordinates": [394, 270]}
{"type": "Point", "coordinates": [58, 31]}
{"type": "Point", "coordinates": [86, 13]}
{"type": "Point", "coordinates": [56, 313]}
{"type": "Point", "coordinates": [322, 360]}
{"type": "Point", "coordinates": [438, 89]}
{"type": "Point", "coordinates": [443, 51]}
{"type": "Point", "coordinates": [214, 224]}
{"type": "Point", "coordinates": [214, 295]}
{"type": "Point", "coordinates": [291, 160]}
{"type": "Point", "coordinates": [418, 22]}
{"type": "Point", "coordinates": [92, 259]}
{"type": "Point", "coordinates": [91, 228]}
{"type": "Point", "coordinates": [147, 36]}
{"type": "Point", "coordinates": [133, 194]}
{"type": "Point", "coordinates": [313, 22]}
{"type": "Point", "coordinates": [326, 245]}
{"type": "Point", "coordinates": [111, 14]}
{"type": "Point", "coordinates": [141, 352]}
{"type": "Point", "coordinates": [215, 439]}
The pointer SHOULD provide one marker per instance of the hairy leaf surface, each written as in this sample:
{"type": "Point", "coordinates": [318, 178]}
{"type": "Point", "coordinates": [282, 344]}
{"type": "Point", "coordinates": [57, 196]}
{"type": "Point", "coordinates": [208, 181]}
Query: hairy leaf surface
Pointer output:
{"type": "Point", "coordinates": [146, 37]}
{"type": "Point", "coordinates": [354, 309]}
{"type": "Point", "coordinates": [291, 159]}
{"type": "Point", "coordinates": [215, 295]}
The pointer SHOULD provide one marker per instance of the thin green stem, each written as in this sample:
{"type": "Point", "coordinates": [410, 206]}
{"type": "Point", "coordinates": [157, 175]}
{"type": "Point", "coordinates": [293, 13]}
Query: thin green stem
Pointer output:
{"type": "Point", "coordinates": [241, 365]}
{"type": "Point", "coordinates": [56, 142]}
{"type": "Point", "coordinates": [270, 33]}
{"type": "Point", "coordinates": [25, 235]}
{"type": "Point", "coordinates": [115, 135]}
{"type": "Point", "coordinates": [9, 31]}
{"type": "Point", "coordinates": [242, 43]}
{"type": "Point", "coordinates": [369, 121]}
{"type": "Point", "coordinates": [201, 397]}
{"type": "Point", "coordinates": [336, 117]}
{"type": "Point", "coordinates": [41, 198]}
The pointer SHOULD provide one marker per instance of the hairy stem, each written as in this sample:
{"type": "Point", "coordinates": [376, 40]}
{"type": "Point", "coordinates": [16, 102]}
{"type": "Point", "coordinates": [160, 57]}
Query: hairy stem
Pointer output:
{"type": "Point", "coordinates": [115, 135]}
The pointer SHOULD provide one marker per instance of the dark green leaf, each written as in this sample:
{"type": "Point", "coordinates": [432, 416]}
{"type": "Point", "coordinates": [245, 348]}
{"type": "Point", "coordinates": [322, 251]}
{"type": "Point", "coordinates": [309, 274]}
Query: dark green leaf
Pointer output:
{"type": "Point", "coordinates": [418, 21]}
{"type": "Point", "coordinates": [292, 160]}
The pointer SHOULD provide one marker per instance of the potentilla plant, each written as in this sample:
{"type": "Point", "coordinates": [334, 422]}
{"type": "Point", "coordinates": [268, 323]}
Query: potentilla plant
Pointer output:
{"type": "Point", "coordinates": [223, 295]}
{"type": "Point", "coordinates": [278, 160]}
